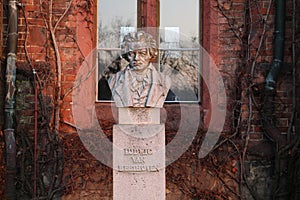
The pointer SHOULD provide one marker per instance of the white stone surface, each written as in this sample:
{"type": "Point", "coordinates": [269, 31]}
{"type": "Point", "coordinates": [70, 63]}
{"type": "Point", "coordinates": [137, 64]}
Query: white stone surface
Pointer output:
{"type": "Point", "coordinates": [139, 158]}
{"type": "Point", "coordinates": [139, 115]}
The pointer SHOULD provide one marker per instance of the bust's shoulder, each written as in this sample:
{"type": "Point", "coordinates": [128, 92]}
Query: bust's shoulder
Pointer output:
{"type": "Point", "coordinates": [161, 78]}
{"type": "Point", "coordinates": [121, 73]}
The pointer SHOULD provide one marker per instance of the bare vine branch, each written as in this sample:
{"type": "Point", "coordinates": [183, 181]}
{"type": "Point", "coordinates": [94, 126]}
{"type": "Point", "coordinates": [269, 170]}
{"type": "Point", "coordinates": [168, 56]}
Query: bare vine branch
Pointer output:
{"type": "Point", "coordinates": [262, 38]}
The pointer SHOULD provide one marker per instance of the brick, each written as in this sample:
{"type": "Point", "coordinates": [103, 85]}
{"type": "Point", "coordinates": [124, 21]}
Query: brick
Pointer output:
{"type": "Point", "coordinates": [69, 78]}
{"type": "Point", "coordinates": [238, 6]}
{"type": "Point", "coordinates": [31, 7]}
{"type": "Point", "coordinates": [68, 98]}
{"type": "Point", "coordinates": [37, 36]}
{"type": "Point", "coordinates": [257, 136]}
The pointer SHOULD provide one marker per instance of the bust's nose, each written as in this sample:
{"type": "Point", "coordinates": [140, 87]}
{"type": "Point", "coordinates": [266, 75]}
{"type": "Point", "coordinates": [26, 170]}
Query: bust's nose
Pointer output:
{"type": "Point", "coordinates": [136, 56]}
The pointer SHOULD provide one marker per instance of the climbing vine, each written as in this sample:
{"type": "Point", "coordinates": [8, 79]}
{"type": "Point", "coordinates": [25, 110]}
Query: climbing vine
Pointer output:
{"type": "Point", "coordinates": [49, 160]}
{"type": "Point", "coordinates": [252, 35]}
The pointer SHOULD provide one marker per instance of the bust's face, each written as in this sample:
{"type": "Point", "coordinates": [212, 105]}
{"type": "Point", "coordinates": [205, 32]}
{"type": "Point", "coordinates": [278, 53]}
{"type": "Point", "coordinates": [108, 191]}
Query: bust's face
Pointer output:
{"type": "Point", "coordinates": [139, 59]}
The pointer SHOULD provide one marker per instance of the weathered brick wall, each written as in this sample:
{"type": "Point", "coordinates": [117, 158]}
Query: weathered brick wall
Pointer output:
{"type": "Point", "coordinates": [2, 164]}
{"type": "Point", "coordinates": [2, 71]}
{"type": "Point", "coordinates": [245, 60]}
{"type": "Point", "coordinates": [238, 51]}
{"type": "Point", "coordinates": [1, 27]}
{"type": "Point", "coordinates": [35, 49]}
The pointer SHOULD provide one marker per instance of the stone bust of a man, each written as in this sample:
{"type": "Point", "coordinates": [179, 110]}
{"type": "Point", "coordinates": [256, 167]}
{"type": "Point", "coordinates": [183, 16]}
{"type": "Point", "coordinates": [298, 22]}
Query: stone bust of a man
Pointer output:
{"type": "Point", "coordinates": [139, 84]}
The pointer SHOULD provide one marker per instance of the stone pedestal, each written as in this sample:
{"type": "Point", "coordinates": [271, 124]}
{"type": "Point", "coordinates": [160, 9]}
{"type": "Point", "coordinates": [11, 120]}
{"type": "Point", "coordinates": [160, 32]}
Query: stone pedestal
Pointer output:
{"type": "Point", "coordinates": [139, 155]}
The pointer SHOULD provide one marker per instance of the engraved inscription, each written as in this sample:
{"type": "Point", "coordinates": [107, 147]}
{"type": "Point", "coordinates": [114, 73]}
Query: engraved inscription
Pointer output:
{"type": "Point", "coordinates": [134, 151]}
{"type": "Point", "coordinates": [137, 168]}
{"type": "Point", "coordinates": [138, 158]}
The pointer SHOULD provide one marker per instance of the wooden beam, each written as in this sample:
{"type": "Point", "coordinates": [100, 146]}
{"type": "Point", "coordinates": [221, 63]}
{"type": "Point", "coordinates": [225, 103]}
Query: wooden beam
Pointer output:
{"type": "Point", "coordinates": [148, 13]}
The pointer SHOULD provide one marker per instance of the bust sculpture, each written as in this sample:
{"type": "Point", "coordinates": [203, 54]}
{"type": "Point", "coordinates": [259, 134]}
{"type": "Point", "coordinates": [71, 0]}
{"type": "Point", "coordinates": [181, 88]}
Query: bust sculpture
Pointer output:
{"type": "Point", "coordinates": [139, 84]}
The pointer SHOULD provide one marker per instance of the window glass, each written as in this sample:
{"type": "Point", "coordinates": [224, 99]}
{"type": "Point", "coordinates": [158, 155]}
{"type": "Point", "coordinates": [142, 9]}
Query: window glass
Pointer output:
{"type": "Point", "coordinates": [179, 38]}
{"type": "Point", "coordinates": [180, 48]}
{"type": "Point", "coordinates": [183, 15]}
{"type": "Point", "coordinates": [112, 15]}
{"type": "Point", "coordinates": [182, 67]}
{"type": "Point", "coordinates": [115, 19]}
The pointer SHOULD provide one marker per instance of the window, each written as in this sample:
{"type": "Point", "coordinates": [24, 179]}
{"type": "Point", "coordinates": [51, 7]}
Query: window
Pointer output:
{"type": "Point", "coordinates": [178, 36]}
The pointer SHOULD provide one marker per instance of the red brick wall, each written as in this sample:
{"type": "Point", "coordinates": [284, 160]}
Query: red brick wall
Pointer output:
{"type": "Point", "coordinates": [218, 39]}
{"type": "Point", "coordinates": [1, 24]}
{"type": "Point", "coordinates": [2, 164]}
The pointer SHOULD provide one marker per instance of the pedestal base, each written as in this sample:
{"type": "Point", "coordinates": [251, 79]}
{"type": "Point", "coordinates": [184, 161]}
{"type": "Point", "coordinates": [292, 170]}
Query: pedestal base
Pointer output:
{"type": "Point", "coordinates": [139, 161]}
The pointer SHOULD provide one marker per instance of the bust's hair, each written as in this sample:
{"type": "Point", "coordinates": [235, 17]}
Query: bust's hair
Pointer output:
{"type": "Point", "coordinates": [139, 40]}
